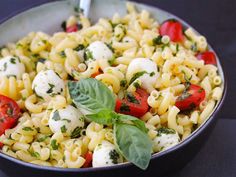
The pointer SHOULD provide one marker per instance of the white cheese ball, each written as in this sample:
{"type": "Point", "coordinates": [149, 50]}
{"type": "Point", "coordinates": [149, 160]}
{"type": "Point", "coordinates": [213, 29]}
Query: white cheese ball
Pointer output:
{"type": "Point", "coordinates": [99, 51]}
{"type": "Point", "coordinates": [11, 66]}
{"type": "Point", "coordinates": [47, 84]}
{"type": "Point", "coordinates": [165, 139]}
{"type": "Point", "coordinates": [149, 70]}
{"type": "Point", "coordinates": [68, 120]}
{"type": "Point", "coordinates": [105, 154]}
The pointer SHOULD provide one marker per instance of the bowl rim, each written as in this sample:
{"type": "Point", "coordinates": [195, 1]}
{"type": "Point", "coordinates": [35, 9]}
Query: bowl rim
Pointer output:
{"type": "Point", "coordinates": [182, 144]}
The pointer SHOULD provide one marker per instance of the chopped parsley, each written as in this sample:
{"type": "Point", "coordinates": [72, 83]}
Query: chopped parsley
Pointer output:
{"type": "Point", "coordinates": [62, 54]}
{"type": "Point", "coordinates": [66, 120]}
{"type": "Point", "coordinates": [35, 154]}
{"type": "Point", "coordinates": [164, 130]}
{"type": "Point", "coordinates": [136, 76]}
{"type": "Point", "coordinates": [41, 60]}
{"type": "Point", "coordinates": [76, 132]}
{"type": "Point", "coordinates": [43, 138]}
{"type": "Point", "coordinates": [54, 144]}
{"type": "Point", "coordinates": [88, 54]}
{"type": "Point", "coordinates": [194, 47]}
{"type": "Point", "coordinates": [157, 40]}
{"type": "Point", "coordinates": [79, 47]}
{"type": "Point", "coordinates": [124, 108]}
{"type": "Point", "coordinates": [63, 25]}
{"type": "Point", "coordinates": [114, 156]}
{"type": "Point", "coordinates": [10, 112]}
{"type": "Point", "coordinates": [110, 47]}
{"type": "Point", "coordinates": [137, 85]}
{"type": "Point", "coordinates": [177, 48]}
{"type": "Point", "coordinates": [50, 90]}
{"type": "Point", "coordinates": [63, 129]}
{"type": "Point", "coordinates": [200, 90]}
{"type": "Point", "coordinates": [152, 74]}
{"type": "Point", "coordinates": [123, 83]}
{"type": "Point", "coordinates": [131, 98]}
{"type": "Point", "coordinates": [184, 96]}
{"type": "Point", "coordinates": [27, 129]}
{"type": "Point", "coordinates": [13, 60]}
{"type": "Point", "coordinates": [112, 60]}
{"type": "Point", "coordinates": [56, 116]}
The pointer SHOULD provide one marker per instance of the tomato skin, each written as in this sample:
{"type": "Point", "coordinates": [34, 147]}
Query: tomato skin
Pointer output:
{"type": "Point", "coordinates": [96, 74]}
{"type": "Point", "coordinates": [190, 98]}
{"type": "Point", "coordinates": [9, 113]}
{"type": "Point", "coordinates": [88, 159]}
{"type": "Point", "coordinates": [1, 145]}
{"type": "Point", "coordinates": [72, 28]}
{"type": "Point", "coordinates": [137, 108]}
{"type": "Point", "coordinates": [208, 57]}
{"type": "Point", "coordinates": [173, 29]}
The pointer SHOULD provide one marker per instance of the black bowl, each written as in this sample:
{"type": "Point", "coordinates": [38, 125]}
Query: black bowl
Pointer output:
{"type": "Point", "coordinates": [161, 163]}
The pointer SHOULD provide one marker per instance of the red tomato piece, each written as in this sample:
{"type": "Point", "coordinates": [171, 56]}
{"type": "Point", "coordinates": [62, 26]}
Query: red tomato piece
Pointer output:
{"type": "Point", "coordinates": [72, 28]}
{"type": "Point", "coordinates": [88, 159]}
{"type": "Point", "coordinates": [190, 98]}
{"type": "Point", "coordinates": [173, 29]}
{"type": "Point", "coordinates": [9, 113]}
{"type": "Point", "coordinates": [134, 104]}
{"type": "Point", "coordinates": [1, 145]}
{"type": "Point", "coordinates": [208, 57]}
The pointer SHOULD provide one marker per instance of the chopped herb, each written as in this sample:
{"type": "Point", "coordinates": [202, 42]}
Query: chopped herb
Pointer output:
{"type": "Point", "coordinates": [27, 129]}
{"type": "Point", "coordinates": [43, 138]}
{"type": "Point", "coordinates": [136, 85]}
{"type": "Point", "coordinates": [164, 130]}
{"type": "Point", "coordinates": [50, 90]}
{"type": "Point", "coordinates": [63, 129]}
{"type": "Point", "coordinates": [186, 77]}
{"type": "Point", "coordinates": [76, 132]}
{"type": "Point", "coordinates": [200, 90]}
{"type": "Point", "coordinates": [66, 120]}
{"type": "Point", "coordinates": [124, 108]}
{"type": "Point", "coordinates": [78, 10]}
{"type": "Point", "coordinates": [54, 144]}
{"type": "Point", "coordinates": [56, 116]}
{"type": "Point", "coordinates": [11, 75]}
{"type": "Point", "coordinates": [63, 25]}
{"type": "Point", "coordinates": [18, 45]}
{"type": "Point", "coordinates": [123, 83]}
{"type": "Point", "coordinates": [152, 74]}
{"type": "Point", "coordinates": [44, 41]}
{"type": "Point", "coordinates": [157, 40]}
{"type": "Point", "coordinates": [112, 60]}
{"type": "Point", "coordinates": [184, 96]}
{"type": "Point", "coordinates": [62, 54]}
{"type": "Point", "coordinates": [177, 48]}
{"type": "Point", "coordinates": [79, 47]}
{"type": "Point", "coordinates": [131, 98]}
{"type": "Point", "coordinates": [4, 66]}
{"type": "Point", "coordinates": [114, 156]}
{"type": "Point", "coordinates": [88, 54]}
{"type": "Point", "coordinates": [136, 76]}
{"type": "Point", "coordinates": [41, 60]}
{"type": "Point", "coordinates": [9, 111]}
{"type": "Point", "coordinates": [110, 47]}
{"type": "Point", "coordinates": [35, 154]}
{"type": "Point", "coordinates": [194, 47]}
{"type": "Point", "coordinates": [13, 60]}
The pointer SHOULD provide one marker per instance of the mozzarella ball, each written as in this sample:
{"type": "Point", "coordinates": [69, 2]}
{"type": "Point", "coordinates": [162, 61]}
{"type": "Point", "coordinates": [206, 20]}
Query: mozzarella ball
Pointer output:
{"type": "Point", "coordinates": [105, 154]}
{"type": "Point", "coordinates": [11, 66]}
{"type": "Point", "coordinates": [68, 120]}
{"type": "Point", "coordinates": [99, 51]}
{"type": "Point", "coordinates": [47, 84]}
{"type": "Point", "coordinates": [145, 70]}
{"type": "Point", "coordinates": [165, 139]}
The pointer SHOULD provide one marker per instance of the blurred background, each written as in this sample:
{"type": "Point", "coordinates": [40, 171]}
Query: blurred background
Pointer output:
{"type": "Point", "coordinates": [215, 19]}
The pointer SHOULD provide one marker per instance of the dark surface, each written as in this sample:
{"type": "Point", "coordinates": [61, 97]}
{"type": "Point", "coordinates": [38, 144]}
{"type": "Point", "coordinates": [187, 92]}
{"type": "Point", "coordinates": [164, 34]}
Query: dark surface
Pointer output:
{"type": "Point", "coordinates": [216, 20]}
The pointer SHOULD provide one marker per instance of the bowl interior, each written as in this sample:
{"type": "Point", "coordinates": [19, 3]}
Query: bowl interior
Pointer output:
{"type": "Point", "coordinates": [48, 18]}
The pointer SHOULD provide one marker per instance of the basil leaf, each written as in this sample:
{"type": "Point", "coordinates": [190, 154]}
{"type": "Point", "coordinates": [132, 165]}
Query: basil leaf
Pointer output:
{"type": "Point", "coordinates": [105, 117]}
{"type": "Point", "coordinates": [91, 95]}
{"type": "Point", "coordinates": [136, 76]}
{"type": "Point", "coordinates": [137, 122]}
{"type": "Point", "coordinates": [133, 144]}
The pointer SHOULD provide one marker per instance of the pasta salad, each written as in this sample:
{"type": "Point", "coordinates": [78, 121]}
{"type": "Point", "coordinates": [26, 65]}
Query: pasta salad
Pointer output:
{"type": "Point", "coordinates": [101, 94]}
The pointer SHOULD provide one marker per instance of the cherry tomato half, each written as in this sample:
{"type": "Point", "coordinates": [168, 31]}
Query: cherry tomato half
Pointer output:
{"type": "Point", "coordinates": [208, 57]}
{"type": "Point", "coordinates": [88, 160]}
{"type": "Point", "coordinates": [173, 29]}
{"type": "Point", "coordinates": [9, 113]}
{"type": "Point", "coordinates": [134, 104]}
{"type": "Point", "coordinates": [190, 98]}
{"type": "Point", "coordinates": [72, 28]}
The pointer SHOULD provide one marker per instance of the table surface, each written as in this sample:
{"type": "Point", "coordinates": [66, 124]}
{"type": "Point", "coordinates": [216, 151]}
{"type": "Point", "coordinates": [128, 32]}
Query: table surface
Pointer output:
{"type": "Point", "coordinates": [216, 20]}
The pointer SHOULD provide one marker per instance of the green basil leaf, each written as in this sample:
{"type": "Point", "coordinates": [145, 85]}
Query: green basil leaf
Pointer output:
{"type": "Point", "coordinates": [91, 95]}
{"type": "Point", "coordinates": [137, 122]}
{"type": "Point", "coordinates": [105, 117]}
{"type": "Point", "coordinates": [133, 144]}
